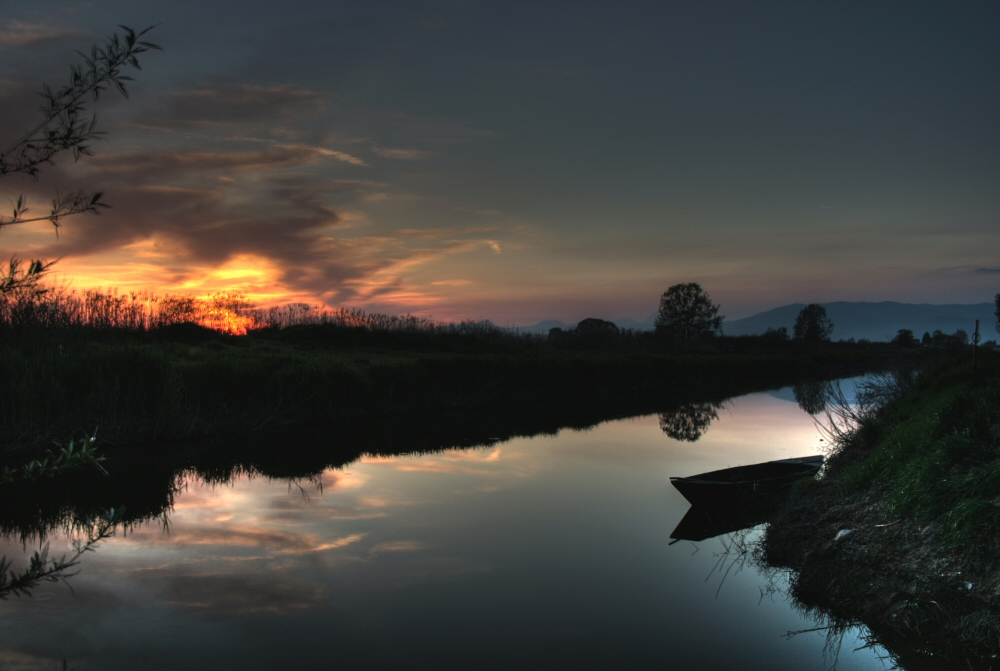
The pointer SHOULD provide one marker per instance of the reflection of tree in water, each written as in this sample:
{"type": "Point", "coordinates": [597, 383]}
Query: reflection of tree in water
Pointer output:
{"type": "Point", "coordinates": [812, 396]}
{"type": "Point", "coordinates": [689, 421]}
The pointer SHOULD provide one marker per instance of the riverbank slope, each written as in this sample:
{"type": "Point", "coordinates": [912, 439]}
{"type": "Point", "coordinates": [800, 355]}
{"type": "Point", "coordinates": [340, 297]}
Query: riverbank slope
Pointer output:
{"type": "Point", "coordinates": [902, 533]}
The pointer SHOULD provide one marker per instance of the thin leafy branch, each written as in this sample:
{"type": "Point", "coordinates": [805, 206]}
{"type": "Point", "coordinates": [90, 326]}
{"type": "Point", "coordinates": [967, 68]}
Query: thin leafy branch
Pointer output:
{"type": "Point", "coordinates": [43, 569]}
{"type": "Point", "coordinates": [72, 455]}
{"type": "Point", "coordinates": [66, 125]}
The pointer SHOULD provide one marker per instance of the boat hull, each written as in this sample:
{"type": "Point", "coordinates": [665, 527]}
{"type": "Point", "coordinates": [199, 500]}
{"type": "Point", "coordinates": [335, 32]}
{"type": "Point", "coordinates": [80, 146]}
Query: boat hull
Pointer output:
{"type": "Point", "coordinates": [745, 482]}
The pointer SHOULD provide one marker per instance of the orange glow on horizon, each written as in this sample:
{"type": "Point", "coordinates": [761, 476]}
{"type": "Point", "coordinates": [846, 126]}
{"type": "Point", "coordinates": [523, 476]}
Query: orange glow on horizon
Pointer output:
{"type": "Point", "coordinates": [227, 321]}
{"type": "Point", "coordinates": [257, 277]}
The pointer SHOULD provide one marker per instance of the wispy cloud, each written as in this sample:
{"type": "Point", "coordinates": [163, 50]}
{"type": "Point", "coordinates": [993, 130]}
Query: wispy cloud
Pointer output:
{"type": "Point", "coordinates": [18, 34]}
{"type": "Point", "coordinates": [401, 154]}
{"type": "Point", "coordinates": [228, 104]}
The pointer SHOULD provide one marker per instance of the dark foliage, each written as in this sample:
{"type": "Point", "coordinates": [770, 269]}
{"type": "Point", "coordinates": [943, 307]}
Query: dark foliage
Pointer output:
{"type": "Point", "coordinates": [996, 301]}
{"type": "Point", "coordinates": [813, 324]}
{"type": "Point", "coordinates": [687, 312]}
{"type": "Point", "coordinates": [905, 338]}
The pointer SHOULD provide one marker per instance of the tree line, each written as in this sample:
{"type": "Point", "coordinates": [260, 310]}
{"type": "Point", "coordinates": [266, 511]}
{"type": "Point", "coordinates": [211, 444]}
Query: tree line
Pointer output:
{"type": "Point", "coordinates": [687, 312]}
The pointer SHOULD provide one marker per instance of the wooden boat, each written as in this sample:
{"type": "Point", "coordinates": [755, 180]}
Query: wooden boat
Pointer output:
{"type": "Point", "coordinates": [721, 487]}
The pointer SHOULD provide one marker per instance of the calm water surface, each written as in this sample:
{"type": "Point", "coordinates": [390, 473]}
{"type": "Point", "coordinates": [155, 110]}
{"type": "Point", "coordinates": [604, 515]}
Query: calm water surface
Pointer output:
{"type": "Point", "coordinates": [551, 551]}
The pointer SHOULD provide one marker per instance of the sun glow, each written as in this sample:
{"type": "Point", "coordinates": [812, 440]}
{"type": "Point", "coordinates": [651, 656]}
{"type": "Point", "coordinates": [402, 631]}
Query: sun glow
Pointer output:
{"type": "Point", "coordinates": [227, 321]}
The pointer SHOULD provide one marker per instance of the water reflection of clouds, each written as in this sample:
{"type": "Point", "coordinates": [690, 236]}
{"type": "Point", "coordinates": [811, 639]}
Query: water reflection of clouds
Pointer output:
{"type": "Point", "coordinates": [226, 594]}
{"type": "Point", "coordinates": [532, 523]}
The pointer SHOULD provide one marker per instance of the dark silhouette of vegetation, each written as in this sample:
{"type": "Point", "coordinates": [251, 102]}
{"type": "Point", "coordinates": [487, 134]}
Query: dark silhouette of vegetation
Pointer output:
{"type": "Point", "coordinates": [71, 456]}
{"type": "Point", "coordinates": [687, 312]}
{"type": "Point", "coordinates": [941, 340]}
{"type": "Point", "coordinates": [905, 338]}
{"type": "Point", "coordinates": [66, 126]}
{"type": "Point", "coordinates": [689, 421]}
{"type": "Point", "coordinates": [996, 301]}
{"type": "Point", "coordinates": [143, 366]}
{"type": "Point", "coordinates": [813, 324]}
{"type": "Point", "coordinates": [780, 333]}
{"type": "Point", "coordinates": [593, 325]}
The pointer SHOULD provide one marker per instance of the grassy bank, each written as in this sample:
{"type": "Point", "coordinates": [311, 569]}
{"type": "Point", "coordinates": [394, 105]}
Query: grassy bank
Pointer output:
{"type": "Point", "coordinates": [914, 493]}
{"type": "Point", "coordinates": [185, 380]}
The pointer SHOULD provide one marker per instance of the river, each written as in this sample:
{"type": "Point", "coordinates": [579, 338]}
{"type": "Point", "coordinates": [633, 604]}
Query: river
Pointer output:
{"type": "Point", "coordinates": [549, 551]}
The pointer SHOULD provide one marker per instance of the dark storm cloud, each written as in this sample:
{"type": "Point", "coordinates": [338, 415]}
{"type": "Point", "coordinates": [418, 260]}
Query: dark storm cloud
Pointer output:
{"type": "Point", "coordinates": [290, 227]}
{"type": "Point", "coordinates": [265, 198]}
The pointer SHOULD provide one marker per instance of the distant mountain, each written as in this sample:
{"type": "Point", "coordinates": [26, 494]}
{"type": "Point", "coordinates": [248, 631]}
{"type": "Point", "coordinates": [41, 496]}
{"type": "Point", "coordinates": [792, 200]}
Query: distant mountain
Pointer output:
{"type": "Point", "coordinates": [877, 321]}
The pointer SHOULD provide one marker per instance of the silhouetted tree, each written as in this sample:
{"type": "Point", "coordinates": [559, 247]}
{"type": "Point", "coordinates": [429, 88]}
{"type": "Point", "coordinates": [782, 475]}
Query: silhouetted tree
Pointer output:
{"type": "Point", "coordinates": [904, 338]}
{"type": "Point", "coordinates": [956, 339]}
{"type": "Point", "coordinates": [996, 300]}
{"type": "Point", "coordinates": [687, 312]}
{"type": "Point", "coordinates": [593, 325]}
{"type": "Point", "coordinates": [690, 421]}
{"type": "Point", "coordinates": [926, 340]}
{"type": "Point", "coordinates": [813, 324]}
{"type": "Point", "coordinates": [812, 396]}
{"type": "Point", "coordinates": [780, 333]}
{"type": "Point", "coordinates": [65, 126]}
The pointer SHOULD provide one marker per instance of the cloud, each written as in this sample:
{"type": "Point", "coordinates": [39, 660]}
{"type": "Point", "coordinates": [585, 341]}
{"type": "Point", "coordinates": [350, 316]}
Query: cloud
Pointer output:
{"type": "Point", "coordinates": [257, 196]}
{"type": "Point", "coordinates": [439, 130]}
{"type": "Point", "coordinates": [967, 269]}
{"type": "Point", "coordinates": [398, 546]}
{"type": "Point", "coordinates": [452, 283]}
{"type": "Point", "coordinates": [18, 34]}
{"type": "Point", "coordinates": [237, 103]}
{"type": "Point", "coordinates": [144, 166]}
{"type": "Point", "coordinates": [401, 154]}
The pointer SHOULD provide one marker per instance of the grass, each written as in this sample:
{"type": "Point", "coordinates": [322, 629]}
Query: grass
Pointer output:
{"type": "Point", "coordinates": [916, 478]}
{"type": "Point", "coordinates": [933, 455]}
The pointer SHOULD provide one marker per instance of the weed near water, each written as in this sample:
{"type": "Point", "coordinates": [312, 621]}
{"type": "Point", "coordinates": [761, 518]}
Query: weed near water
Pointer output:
{"type": "Point", "coordinates": [933, 455]}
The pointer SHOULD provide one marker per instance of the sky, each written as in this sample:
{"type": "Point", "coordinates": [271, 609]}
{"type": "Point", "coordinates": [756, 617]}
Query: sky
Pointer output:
{"type": "Point", "coordinates": [526, 161]}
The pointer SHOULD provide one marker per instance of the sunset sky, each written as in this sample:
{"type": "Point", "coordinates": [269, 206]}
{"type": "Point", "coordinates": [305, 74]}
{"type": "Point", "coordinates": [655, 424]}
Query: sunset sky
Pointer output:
{"type": "Point", "coordinates": [519, 162]}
